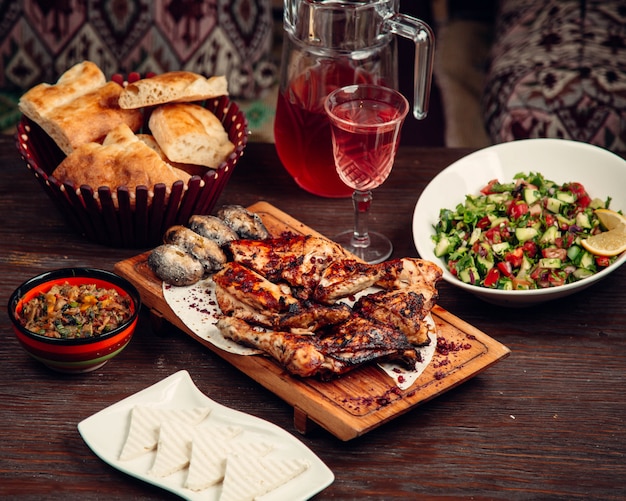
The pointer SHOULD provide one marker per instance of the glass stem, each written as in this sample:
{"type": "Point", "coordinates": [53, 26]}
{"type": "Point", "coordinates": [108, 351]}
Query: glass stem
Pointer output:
{"type": "Point", "coordinates": [361, 200]}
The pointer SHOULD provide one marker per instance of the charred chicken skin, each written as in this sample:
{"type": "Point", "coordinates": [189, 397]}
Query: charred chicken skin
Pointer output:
{"type": "Point", "coordinates": [287, 297]}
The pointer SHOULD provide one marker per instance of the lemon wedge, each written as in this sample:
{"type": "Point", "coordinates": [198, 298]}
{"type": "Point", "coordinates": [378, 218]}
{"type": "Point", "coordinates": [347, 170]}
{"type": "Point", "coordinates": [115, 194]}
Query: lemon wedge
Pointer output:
{"type": "Point", "coordinates": [609, 218]}
{"type": "Point", "coordinates": [608, 243]}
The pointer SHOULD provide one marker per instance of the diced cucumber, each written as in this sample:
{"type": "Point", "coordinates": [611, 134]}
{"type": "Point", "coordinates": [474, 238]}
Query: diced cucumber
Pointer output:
{"type": "Point", "coordinates": [587, 261]}
{"type": "Point", "coordinates": [506, 284]}
{"type": "Point", "coordinates": [500, 248]}
{"type": "Point", "coordinates": [554, 205]}
{"type": "Point", "coordinates": [469, 275]}
{"type": "Point", "coordinates": [549, 236]}
{"type": "Point", "coordinates": [498, 198]}
{"type": "Point", "coordinates": [573, 253]}
{"type": "Point", "coordinates": [550, 262]}
{"type": "Point", "coordinates": [582, 220]}
{"type": "Point", "coordinates": [581, 273]}
{"type": "Point", "coordinates": [531, 195]}
{"type": "Point", "coordinates": [484, 263]}
{"type": "Point", "coordinates": [475, 236]}
{"type": "Point", "coordinates": [443, 247]}
{"type": "Point", "coordinates": [498, 221]}
{"type": "Point", "coordinates": [524, 234]}
{"type": "Point", "coordinates": [566, 196]}
{"type": "Point", "coordinates": [525, 267]}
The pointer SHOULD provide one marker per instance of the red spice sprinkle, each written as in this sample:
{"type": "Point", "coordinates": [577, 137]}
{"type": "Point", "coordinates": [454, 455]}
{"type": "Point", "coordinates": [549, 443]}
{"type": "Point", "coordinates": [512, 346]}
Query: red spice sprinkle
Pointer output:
{"type": "Point", "coordinates": [445, 347]}
{"type": "Point", "coordinates": [400, 378]}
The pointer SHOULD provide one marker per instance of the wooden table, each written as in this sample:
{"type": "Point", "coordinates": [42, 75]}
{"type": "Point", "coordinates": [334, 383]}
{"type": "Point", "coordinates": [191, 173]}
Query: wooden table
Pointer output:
{"type": "Point", "coordinates": [546, 423]}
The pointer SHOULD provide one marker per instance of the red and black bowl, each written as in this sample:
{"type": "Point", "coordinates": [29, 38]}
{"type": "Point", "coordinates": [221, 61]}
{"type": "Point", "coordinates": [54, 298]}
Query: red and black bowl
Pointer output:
{"type": "Point", "coordinates": [75, 355]}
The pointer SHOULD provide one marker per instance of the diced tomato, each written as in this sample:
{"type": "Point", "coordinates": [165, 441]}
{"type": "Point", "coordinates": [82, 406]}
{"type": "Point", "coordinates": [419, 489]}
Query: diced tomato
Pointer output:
{"type": "Point", "coordinates": [583, 201]}
{"type": "Point", "coordinates": [483, 223]}
{"type": "Point", "coordinates": [554, 253]}
{"type": "Point", "coordinates": [530, 248]}
{"type": "Point", "coordinates": [577, 189]}
{"type": "Point", "coordinates": [493, 236]}
{"type": "Point", "coordinates": [515, 257]}
{"type": "Point", "coordinates": [491, 280]}
{"type": "Point", "coordinates": [564, 242]}
{"type": "Point", "coordinates": [452, 267]}
{"type": "Point", "coordinates": [550, 220]}
{"type": "Point", "coordinates": [488, 190]}
{"type": "Point", "coordinates": [517, 210]}
{"type": "Point", "coordinates": [557, 277]}
{"type": "Point", "coordinates": [505, 268]}
{"type": "Point", "coordinates": [603, 261]}
{"type": "Point", "coordinates": [505, 233]}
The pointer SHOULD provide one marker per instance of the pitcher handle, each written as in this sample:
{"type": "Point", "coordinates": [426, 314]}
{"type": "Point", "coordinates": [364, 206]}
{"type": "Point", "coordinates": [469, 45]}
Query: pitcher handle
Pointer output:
{"type": "Point", "coordinates": [424, 39]}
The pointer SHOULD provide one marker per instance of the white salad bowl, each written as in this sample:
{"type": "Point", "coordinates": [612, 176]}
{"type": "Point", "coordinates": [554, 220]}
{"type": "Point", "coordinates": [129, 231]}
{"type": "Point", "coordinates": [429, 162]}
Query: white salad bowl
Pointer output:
{"type": "Point", "coordinates": [601, 172]}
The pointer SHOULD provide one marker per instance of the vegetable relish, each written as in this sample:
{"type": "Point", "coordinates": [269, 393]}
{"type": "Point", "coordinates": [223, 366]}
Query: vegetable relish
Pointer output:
{"type": "Point", "coordinates": [521, 235]}
{"type": "Point", "coordinates": [76, 311]}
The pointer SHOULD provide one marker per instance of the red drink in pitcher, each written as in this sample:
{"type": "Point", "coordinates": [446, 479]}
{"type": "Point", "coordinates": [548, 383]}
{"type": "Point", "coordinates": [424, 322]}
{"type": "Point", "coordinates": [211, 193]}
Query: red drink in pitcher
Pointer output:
{"type": "Point", "coordinates": [302, 130]}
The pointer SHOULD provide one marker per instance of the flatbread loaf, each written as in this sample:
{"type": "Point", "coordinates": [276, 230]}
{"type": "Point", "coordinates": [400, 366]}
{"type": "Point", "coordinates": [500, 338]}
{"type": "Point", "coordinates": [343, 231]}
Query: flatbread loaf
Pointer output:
{"type": "Point", "coordinates": [189, 133]}
{"type": "Point", "coordinates": [121, 160]}
{"type": "Point", "coordinates": [80, 108]}
{"type": "Point", "coordinates": [172, 87]}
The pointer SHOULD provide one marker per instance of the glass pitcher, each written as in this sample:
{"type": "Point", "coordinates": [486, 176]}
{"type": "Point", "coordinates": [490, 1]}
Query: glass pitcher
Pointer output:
{"type": "Point", "coordinates": [329, 44]}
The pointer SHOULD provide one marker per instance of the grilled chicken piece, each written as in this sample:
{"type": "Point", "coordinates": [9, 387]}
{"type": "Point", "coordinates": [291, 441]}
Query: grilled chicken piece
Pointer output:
{"type": "Point", "coordinates": [254, 290]}
{"type": "Point", "coordinates": [231, 305]}
{"type": "Point", "coordinates": [345, 278]}
{"type": "Point", "coordinates": [408, 272]}
{"type": "Point", "coordinates": [312, 317]}
{"type": "Point", "coordinates": [297, 259]}
{"type": "Point", "coordinates": [344, 348]}
{"type": "Point", "coordinates": [404, 309]}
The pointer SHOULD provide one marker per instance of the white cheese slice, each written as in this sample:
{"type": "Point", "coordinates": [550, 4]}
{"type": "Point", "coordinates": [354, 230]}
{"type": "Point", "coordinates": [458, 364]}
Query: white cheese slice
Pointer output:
{"type": "Point", "coordinates": [247, 477]}
{"type": "Point", "coordinates": [145, 421]}
{"type": "Point", "coordinates": [208, 457]}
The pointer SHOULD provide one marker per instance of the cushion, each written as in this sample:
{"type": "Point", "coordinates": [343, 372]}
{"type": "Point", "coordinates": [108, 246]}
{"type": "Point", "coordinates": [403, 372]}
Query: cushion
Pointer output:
{"type": "Point", "coordinates": [558, 69]}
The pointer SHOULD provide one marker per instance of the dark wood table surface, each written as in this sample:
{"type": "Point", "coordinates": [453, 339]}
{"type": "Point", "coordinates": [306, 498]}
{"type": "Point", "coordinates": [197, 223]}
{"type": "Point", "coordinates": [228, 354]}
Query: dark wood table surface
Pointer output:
{"type": "Point", "coordinates": [549, 422]}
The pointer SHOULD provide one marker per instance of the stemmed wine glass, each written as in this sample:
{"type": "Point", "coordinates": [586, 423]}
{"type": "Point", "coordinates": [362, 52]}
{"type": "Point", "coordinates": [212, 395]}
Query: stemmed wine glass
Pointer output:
{"type": "Point", "coordinates": [365, 123]}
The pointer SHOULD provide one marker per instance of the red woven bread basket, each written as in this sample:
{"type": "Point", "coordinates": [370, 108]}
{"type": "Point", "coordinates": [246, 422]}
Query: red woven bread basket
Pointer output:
{"type": "Point", "coordinates": [115, 219]}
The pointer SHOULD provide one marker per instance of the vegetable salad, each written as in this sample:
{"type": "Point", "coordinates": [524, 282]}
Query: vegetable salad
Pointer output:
{"type": "Point", "coordinates": [521, 235]}
{"type": "Point", "coordinates": [76, 311]}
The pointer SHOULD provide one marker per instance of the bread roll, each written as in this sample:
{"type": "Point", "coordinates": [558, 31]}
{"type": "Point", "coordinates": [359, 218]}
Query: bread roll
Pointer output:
{"type": "Point", "coordinates": [80, 108]}
{"type": "Point", "coordinates": [121, 160]}
{"type": "Point", "coordinates": [172, 87]}
{"type": "Point", "coordinates": [189, 133]}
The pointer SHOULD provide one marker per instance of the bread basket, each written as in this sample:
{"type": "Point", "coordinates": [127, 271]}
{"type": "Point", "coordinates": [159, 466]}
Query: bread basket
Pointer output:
{"type": "Point", "coordinates": [120, 219]}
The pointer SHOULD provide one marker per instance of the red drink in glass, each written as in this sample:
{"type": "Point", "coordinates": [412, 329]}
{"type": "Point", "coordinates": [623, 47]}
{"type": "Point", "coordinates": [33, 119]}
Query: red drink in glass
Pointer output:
{"type": "Point", "coordinates": [365, 150]}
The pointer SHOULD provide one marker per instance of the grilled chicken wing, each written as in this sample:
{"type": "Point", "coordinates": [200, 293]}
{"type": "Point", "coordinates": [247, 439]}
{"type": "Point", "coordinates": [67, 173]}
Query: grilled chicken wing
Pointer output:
{"type": "Point", "coordinates": [405, 310]}
{"type": "Point", "coordinates": [253, 289]}
{"type": "Point", "coordinates": [297, 259]}
{"type": "Point", "coordinates": [408, 272]}
{"type": "Point", "coordinates": [345, 278]}
{"type": "Point", "coordinates": [334, 354]}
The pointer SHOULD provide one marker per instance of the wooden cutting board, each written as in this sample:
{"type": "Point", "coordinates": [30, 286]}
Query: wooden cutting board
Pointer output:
{"type": "Point", "coordinates": [360, 400]}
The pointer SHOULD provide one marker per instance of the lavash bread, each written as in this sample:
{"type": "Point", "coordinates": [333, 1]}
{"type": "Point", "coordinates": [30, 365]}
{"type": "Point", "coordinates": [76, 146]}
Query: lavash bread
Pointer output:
{"type": "Point", "coordinates": [80, 108]}
{"type": "Point", "coordinates": [189, 133]}
{"type": "Point", "coordinates": [121, 160]}
{"type": "Point", "coordinates": [172, 87]}
{"type": "Point", "coordinates": [78, 80]}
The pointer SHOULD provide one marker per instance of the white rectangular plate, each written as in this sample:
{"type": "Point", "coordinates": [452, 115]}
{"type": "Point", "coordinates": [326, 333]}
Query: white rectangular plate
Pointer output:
{"type": "Point", "coordinates": [105, 433]}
